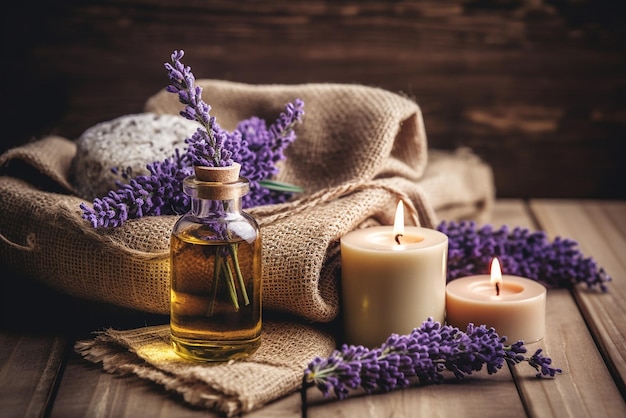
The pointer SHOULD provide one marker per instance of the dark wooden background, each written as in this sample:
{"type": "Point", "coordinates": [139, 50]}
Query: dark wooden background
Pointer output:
{"type": "Point", "coordinates": [535, 87]}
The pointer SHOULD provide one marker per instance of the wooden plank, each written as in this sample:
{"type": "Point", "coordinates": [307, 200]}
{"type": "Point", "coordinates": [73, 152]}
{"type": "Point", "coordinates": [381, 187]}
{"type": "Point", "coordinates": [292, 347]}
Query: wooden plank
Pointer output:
{"type": "Point", "coordinates": [475, 397]}
{"type": "Point", "coordinates": [571, 347]}
{"type": "Point", "coordinates": [585, 389]}
{"type": "Point", "coordinates": [599, 228]}
{"type": "Point", "coordinates": [419, 401]}
{"type": "Point", "coordinates": [87, 391]}
{"type": "Point", "coordinates": [29, 366]}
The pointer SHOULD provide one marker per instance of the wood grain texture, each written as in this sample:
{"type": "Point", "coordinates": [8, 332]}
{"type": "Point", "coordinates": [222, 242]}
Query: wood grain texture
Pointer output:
{"type": "Point", "coordinates": [535, 87]}
{"type": "Point", "coordinates": [475, 397]}
{"type": "Point", "coordinates": [600, 230]}
{"type": "Point", "coordinates": [87, 391]}
{"type": "Point", "coordinates": [573, 349]}
{"type": "Point", "coordinates": [29, 368]}
{"type": "Point", "coordinates": [567, 342]}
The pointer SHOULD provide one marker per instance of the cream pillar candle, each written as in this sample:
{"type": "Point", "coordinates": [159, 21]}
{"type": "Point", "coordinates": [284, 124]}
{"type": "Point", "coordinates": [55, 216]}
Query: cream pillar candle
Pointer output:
{"type": "Point", "coordinates": [392, 279]}
{"type": "Point", "coordinates": [514, 306]}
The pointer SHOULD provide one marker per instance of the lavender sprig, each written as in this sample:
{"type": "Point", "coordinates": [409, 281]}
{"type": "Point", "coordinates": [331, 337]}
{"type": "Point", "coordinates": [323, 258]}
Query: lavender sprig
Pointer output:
{"type": "Point", "coordinates": [252, 144]}
{"type": "Point", "coordinates": [265, 147]}
{"type": "Point", "coordinates": [154, 194]}
{"type": "Point", "coordinates": [421, 356]}
{"type": "Point", "coordinates": [521, 252]}
{"type": "Point", "coordinates": [209, 145]}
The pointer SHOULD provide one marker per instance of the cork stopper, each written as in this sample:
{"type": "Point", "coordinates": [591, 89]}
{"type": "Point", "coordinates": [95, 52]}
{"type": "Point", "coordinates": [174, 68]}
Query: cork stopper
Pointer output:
{"type": "Point", "coordinates": [229, 174]}
{"type": "Point", "coordinates": [216, 183]}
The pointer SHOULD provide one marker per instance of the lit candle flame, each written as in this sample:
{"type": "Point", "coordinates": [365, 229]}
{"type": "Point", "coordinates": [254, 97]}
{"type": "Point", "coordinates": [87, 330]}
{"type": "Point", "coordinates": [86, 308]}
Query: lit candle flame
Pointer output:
{"type": "Point", "coordinates": [398, 223]}
{"type": "Point", "coordinates": [496, 275]}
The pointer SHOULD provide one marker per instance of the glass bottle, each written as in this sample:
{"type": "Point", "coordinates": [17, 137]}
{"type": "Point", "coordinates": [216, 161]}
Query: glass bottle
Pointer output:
{"type": "Point", "coordinates": [215, 258]}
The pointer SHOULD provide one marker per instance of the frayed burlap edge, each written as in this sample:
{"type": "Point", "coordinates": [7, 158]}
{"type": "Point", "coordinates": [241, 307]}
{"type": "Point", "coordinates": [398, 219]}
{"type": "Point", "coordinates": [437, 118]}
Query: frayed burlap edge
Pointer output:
{"type": "Point", "coordinates": [275, 370]}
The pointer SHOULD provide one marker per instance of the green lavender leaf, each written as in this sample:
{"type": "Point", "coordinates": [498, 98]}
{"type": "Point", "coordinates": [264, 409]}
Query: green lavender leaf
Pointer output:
{"type": "Point", "coordinates": [280, 186]}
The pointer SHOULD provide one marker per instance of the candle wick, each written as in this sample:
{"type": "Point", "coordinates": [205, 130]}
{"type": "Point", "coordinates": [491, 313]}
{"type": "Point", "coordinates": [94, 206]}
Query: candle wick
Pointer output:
{"type": "Point", "coordinates": [497, 289]}
{"type": "Point", "coordinates": [398, 238]}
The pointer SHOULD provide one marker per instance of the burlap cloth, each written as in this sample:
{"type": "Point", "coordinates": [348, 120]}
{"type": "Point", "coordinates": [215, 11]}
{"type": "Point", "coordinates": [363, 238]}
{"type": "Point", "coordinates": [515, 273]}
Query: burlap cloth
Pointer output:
{"type": "Point", "coordinates": [359, 150]}
{"type": "Point", "coordinates": [275, 369]}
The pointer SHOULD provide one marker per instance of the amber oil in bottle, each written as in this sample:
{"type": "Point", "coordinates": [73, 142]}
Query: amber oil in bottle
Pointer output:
{"type": "Point", "coordinates": [216, 270]}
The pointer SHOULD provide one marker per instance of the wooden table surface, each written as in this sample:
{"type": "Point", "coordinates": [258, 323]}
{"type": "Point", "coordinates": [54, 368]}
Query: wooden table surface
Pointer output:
{"type": "Point", "coordinates": [41, 375]}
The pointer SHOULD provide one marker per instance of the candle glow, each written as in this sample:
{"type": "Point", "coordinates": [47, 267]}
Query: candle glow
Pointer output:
{"type": "Point", "coordinates": [496, 275]}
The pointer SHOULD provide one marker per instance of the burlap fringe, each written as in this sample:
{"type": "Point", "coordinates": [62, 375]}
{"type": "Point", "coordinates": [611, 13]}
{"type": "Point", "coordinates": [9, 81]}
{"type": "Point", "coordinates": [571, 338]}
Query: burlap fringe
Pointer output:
{"type": "Point", "coordinates": [273, 371]}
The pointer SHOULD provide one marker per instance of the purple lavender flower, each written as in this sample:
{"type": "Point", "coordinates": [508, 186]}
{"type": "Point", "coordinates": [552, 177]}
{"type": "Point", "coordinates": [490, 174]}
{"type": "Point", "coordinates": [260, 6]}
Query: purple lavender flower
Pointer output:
{"type": "Point", "coordinates": [210, 145]}
{"type": "Point", "coordinates": [521, 252]}
{"type": "Point", "coordinates": [263, 148]}
{"type": "Point", "coordinates": [252, 144]}
{"type": "Point", "coordinates": [542, 364]}
{"type": "Point", "coordinates": [158, 193]}
{"type": "Point", "coordinates": [421, 356]}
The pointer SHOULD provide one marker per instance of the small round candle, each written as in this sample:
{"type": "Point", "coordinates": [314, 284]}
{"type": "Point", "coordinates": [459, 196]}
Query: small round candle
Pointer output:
{"type": "Point", "coordinates": [392, 279]}
{"type": "Point", "coordinates": [515, 306]}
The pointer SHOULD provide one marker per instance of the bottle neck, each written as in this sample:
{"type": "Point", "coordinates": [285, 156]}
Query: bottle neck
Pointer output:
{"type": "Point", "coordinates": [215, 208]}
